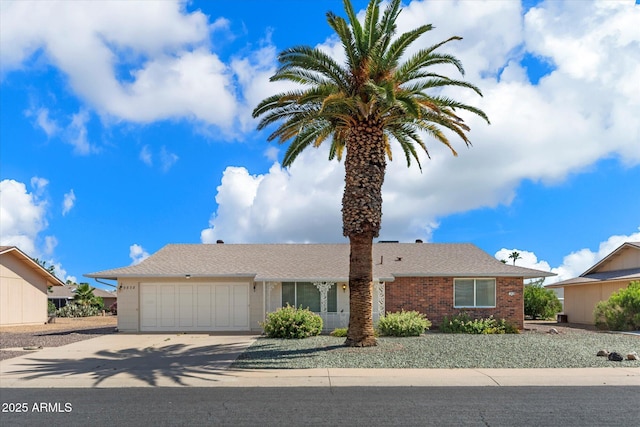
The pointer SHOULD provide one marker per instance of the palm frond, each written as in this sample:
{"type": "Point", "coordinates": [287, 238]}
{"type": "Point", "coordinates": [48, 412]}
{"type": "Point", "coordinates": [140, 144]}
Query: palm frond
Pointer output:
{"type": "Point", "coordinates": [370, 23]}
{"type": "Point", "coordinates": [372, 84]}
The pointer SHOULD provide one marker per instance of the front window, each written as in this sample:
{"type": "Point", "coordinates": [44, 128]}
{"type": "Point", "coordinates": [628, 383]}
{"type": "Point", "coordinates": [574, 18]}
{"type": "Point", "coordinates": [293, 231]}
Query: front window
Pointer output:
{"type": "Point", "coordinates": [307, 295]}
{"type": "Point", "coordinates": [474, 292]}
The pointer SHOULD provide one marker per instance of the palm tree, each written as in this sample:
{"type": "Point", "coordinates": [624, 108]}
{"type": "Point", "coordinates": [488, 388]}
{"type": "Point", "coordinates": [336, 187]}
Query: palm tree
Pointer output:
{"type": "Point", "coordinates": [83, 295]}
{"type": "Point", "coordinates": [360, 106]}
{"type": "Point", "coordinates": [515, 255]}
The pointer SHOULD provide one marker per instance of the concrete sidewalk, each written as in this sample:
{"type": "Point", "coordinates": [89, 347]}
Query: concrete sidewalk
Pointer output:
{"type": "Point", "coordinates": [200, 360]}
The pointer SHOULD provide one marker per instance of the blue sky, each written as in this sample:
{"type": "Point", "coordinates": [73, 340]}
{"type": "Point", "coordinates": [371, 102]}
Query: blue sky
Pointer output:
{"type": "Point", "coordinates": [126, 126]}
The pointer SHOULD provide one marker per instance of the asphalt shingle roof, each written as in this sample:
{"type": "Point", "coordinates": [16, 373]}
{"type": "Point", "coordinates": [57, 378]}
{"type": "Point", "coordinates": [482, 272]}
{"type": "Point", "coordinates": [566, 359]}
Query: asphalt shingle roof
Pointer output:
{"type": "Point", "coordinates": [282, 262]}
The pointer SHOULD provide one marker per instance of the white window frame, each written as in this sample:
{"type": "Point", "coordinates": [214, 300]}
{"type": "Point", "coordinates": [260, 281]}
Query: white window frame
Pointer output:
{"type": "Point", "coordinates": [495, 290]}
{"type": "Point", "coordinates": [295, 295]}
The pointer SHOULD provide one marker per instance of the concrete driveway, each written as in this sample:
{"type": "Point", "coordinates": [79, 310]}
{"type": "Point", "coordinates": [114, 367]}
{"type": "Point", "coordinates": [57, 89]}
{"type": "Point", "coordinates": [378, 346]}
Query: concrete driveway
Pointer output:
{"type": "Point", "coordinates": [123, 360]}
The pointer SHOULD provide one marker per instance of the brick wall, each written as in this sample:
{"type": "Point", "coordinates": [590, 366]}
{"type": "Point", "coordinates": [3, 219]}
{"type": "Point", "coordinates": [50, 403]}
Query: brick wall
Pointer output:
{"type": "Point", "coordinates": [433, 296]}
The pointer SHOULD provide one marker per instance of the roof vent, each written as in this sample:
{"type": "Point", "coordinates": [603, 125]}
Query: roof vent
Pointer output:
{"type": "Point", "coordinates": [388, 241]}
{"type": "Point", "coordinates": [219, 242]}
{"type": "Point", "coordinates": [419, 241]}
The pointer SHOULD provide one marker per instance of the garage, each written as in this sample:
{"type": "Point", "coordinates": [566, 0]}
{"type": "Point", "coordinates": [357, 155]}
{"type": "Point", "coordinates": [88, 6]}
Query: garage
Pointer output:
{"type": "Point", "coordinates": [172, 307]}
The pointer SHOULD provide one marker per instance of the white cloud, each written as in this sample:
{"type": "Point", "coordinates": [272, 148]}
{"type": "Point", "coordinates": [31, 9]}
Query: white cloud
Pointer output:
{"type": "Point", "coordinates": [167, 159]}
{"type": "Point", "coordinates": [61, 273]}
{"type": "Point", "coordinates": [39, 184]}
{"type": "Point", "coordinates": [43, 121]}
{"type": "Point", "coordinates": [574, 264]}
{"type": "Point", "coordinates": [50, 243]}
{"type": "Point", "coordinates": [137, 254]}
{"type": "Point", "coordinates": [253, 73]}
{"type": "Point", "coordinates": [164, 48]}
{"type": "Point", "coordinates": [77, 134]}
{"type": "Point", "coordinates": [68, 202]}
{"type": "Point", "coordinates": [22, 214]}
{"type": "Point", "coordinates": [271, 153]}
{"type": "Point", "coordinates": [539, 132]}
{"type": "Point", "coordinates": [527, 259]}
{"type": "Point", "coordinates": [296, 205]}
{"type": "Point", "coordinates": [23, 220]}
{"type": "Point", "coordinates": [146, 156]}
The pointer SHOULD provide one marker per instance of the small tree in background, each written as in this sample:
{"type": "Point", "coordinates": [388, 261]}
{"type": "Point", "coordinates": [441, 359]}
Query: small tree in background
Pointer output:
{"type": "Point", "coordinates": [515, 255]}
{"type": "Point", "coordinates": [540, 302]}
{"type": "Point", "coordinates": [42, 263]}
{"type": "Point", "coordinates": [621, 312]}
{"type": "Point", "coordinates": [84, 294]}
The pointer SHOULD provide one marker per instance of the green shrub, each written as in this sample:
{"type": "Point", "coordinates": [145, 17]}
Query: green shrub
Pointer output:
{"type": "Point", "coordinates": [77, 310]}
{"type": "Point", "coordinates": [290, 322]}
{"type": "Point", "coordinates": [464, 324]}
{"type": "Point", "coordinates": [403, 324]}
{"type": "Point", "coordinates": [98, 303]}
{"type": "Point", "coordinates": [540, 302]}
{"type": "Point", "coordinates": [339, 332]}
{"type": "Point", "coordinates": [621, 312]}
{"type": "Point", "coordinates": [51, 307]}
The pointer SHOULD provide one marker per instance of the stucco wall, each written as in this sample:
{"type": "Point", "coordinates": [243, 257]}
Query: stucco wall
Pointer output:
{"type": "Point", "coordinates": [256, 306]}
{"type": "Point", "coordinates": [23, 293]}
{"type": "Point", "coordinates": [627, 258]}
{"type": "Point", "coordinates": [128, 305]}
{"type": "Point", "coordinates": [580, 301]}
{"type": "Point", "coordinates": [433, 296]}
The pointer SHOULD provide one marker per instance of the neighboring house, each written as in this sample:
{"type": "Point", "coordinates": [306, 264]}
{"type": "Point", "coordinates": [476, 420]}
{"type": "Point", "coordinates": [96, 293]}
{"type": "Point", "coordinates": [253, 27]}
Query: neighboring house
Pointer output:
{"type": "Point", "coordinates": [61, 296]}
{"type": "Point", "coordinates": [223, 287]}
{"type": "Point", "coordinates": [613, 272]}
{"type": "Point", "coordinates": [109, 298]}
{"type": "Point", "coordinates": [23, 288]}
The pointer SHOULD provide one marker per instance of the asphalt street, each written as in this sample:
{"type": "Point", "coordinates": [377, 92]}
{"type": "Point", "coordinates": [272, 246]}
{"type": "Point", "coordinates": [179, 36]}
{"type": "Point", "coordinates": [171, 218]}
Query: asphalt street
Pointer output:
{"type": "Point", "coordinates": [313, 406]}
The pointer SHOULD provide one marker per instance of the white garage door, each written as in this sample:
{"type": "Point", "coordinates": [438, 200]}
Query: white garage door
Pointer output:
{"type": "Point", "coordinates": [194, 307]}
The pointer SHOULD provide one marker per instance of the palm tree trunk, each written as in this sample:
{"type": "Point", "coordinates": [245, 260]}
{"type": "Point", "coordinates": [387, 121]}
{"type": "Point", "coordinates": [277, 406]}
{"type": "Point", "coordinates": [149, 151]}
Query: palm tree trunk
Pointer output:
{"type": "Point", "coordinates": [365, 165]}
{"type": "Point", "coordinates": [361, 332]}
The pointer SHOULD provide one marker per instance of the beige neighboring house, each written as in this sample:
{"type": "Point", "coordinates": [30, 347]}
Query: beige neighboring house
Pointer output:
{"type": "Point", "coordinates": [612, 273]}
{"type": "Point", "coordinates": [61, 296]}
{"type": "Point", "coordinates": [232, 287]}
{"type": "Point", "coordinates": [23, 288]}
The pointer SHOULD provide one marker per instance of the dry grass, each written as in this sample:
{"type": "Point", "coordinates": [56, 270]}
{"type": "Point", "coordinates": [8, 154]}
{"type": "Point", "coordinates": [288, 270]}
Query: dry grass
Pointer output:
{"type": "Point", "coordinates": [15, 339]}
{"type": "Point", "coordinates": [65, 324]}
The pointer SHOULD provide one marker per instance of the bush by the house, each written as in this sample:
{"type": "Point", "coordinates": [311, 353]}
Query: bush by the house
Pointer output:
{"type": "Point", "coordinates": [621, 312]}
{"type": "Point", "coordinates": [291, 322]}
{"type": "Point", "coordinates": [77, 310]}
{"type": "Point", "coordinates": [113, 308]}
{"type": "Point", "coordinates": [540, 302]}
{"type": "Point", "coordinates": [464, 324]}
{"type": "Point", "coordinates": [403, 324]}
{"type": "Point", "coordinates": [51, 307]}
{"type": "Point", "coordinates": [339, 332]}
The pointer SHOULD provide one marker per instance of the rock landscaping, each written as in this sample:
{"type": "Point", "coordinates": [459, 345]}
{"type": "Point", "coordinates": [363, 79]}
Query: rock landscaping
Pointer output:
{"type": "Point", "coordinates": [536, 347]}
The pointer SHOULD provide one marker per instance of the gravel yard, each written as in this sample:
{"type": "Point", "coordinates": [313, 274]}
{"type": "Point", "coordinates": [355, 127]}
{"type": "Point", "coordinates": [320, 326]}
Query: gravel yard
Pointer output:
{"type": "Point", "coordinates": [534, 348]}
{"type": "Point", "coordinates": [13, 339]}
{"type": "Point", "coordinates": [572, 347]}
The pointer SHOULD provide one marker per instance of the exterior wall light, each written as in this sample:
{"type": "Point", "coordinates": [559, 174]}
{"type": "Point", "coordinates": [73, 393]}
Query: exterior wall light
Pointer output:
{"type": "Point", "coordinates": [344, 288]}
{"type": "Point", "coordinates": [187, 276]}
